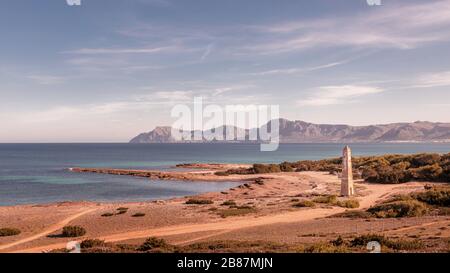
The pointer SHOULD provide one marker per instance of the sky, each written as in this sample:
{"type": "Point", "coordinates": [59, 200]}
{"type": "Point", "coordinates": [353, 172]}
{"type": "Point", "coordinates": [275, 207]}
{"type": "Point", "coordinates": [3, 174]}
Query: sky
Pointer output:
{"type": "Point", "coordinates": [110, 69]}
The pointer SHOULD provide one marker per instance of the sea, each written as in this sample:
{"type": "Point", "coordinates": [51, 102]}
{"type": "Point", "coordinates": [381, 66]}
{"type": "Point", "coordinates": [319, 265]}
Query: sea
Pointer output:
{"type": "Point", "coordinates": [39, 173]}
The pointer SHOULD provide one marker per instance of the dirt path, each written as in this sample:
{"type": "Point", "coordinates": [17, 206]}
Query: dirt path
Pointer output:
{"type": "Point", "coordinates": [222, 226]}
{"type": "Point", "coordinates": [231, 224]}
{"type": "Point", "coordinates": [47, 231]}
{"type": "Point", "coordinates": [418, 226]}
{"type": "Point", "coordinates": [206, 230]}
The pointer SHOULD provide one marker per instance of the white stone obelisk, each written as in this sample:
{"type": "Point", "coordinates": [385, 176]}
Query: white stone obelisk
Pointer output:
{"type": "Point", "coordinates": [347, 188]}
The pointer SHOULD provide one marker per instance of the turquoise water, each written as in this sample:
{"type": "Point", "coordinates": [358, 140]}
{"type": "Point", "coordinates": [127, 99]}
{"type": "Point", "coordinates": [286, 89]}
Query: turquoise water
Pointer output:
{"type": "Point", "coordinates": [37, 173]}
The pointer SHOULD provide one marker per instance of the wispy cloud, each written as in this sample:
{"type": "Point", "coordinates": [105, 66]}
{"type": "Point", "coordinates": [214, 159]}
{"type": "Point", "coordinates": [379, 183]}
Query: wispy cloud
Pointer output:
{"type": "Point", "coordinates": [174, 96]}
{"type": "Point", "coordinates": [297, 70]}
{"type": "Point", "coordinates": [403, 27]}
{"type": "Point", "coordinates": [222, 90]}
{"type": "Point", "coordinates": [47, 79]}
{"type": "Point", "coordinates": [340, 94]}
{"type": "Point", "coordinates": [144, 50]}
{"type": "Point", "coordinates": [207, 52]}
{"type": "Point", "coordinates": [434, 80]}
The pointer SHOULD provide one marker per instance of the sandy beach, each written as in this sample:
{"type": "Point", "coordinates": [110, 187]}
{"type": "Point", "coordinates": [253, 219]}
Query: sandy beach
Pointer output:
{"type": "Point", "coordinates": [270, 215]}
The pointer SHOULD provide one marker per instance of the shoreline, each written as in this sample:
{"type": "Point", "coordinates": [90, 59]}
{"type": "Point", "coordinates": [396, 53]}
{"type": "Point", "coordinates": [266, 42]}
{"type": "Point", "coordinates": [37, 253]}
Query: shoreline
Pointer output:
{"type": "Point", "coordinates": [204, 172]}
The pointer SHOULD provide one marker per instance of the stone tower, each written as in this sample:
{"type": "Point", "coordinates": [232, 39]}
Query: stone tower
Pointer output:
{"type": "Point", "coordinates": [347, 188]}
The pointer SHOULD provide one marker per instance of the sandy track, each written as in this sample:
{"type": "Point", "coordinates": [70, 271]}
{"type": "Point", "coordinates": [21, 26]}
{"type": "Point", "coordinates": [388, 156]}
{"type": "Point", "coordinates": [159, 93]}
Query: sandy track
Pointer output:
{"type": "Point", "coordinates": [220, 226]}
{"type": "Point", "coordinates": [49, 230]}
{"type": "Point", "coordinates": [207, 230]}
{"type": "Point", "coordinates": [419, 226]}
{"type": "Point", "coordinates": [231, 224]}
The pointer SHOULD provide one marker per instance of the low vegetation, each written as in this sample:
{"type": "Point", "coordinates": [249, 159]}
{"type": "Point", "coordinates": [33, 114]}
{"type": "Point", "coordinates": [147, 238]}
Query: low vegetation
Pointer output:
{"type": "Point", "coordinates": [138, 214]}
{"type": "Point", "coordinates": [439, 196]}
{"type": "Point", "coordinates": [229, 203]}
{"type": "Point", "coordinates": [73, 231]}
{"type": "Point", "coordinates": [121, 210]}
{"type": "Point", "coordinates": [236, 211]}
{"type": "Point", "coordinates": [326, 199]}
{"type": "Point", "coordinates": [153, 243]}
{"type": "Point", "coordinates": [270, 168]}
{"type": "Point", "coordinates": [338, 245]}
{"type": "Point", "coordinates": [199, 202]}
{"type": "Point", "coordinates": [118, 211]}
{"type": "Point", "coordinates": [108, 214]}
{"type": "Point", "coordinates": [351, 203]}
{"type": "Point", "coordinates": [324, 248]}
{"type": "Point", "coordinates": [91, 243]}
{"type": "Point", "coordinates": [6, 232]}
{"type": "Point", "coordinates": [304, 204]}
{"type": "Point", "coordinates": [410, 205]}
{"type": "Point", "coordinates": [353, 214]}
{"type": "Point", "coordinates": [389, 169]}
{"type": "Point", "coordinates": [399, 244]}
{"type": "Point", "coordinates": [397, 209]}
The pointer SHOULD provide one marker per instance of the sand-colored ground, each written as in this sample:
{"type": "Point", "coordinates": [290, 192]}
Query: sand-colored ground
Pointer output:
{"type": "Point", "coordinates": [272, 219]}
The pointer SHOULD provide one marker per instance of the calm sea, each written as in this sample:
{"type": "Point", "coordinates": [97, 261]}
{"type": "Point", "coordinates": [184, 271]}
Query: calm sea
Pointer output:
{"type": "Point", "coordinates": [37, 173]}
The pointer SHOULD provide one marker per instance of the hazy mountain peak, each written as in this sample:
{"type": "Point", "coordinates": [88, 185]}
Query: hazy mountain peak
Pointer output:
{"type": "Point", "coordinates": [304, 132]}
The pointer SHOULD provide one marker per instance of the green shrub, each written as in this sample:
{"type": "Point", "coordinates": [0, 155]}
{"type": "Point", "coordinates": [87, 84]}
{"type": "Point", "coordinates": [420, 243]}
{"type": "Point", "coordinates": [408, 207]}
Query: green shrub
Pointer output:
{"type": "Point", "coordinates": [199, 202]}
{"type": "Point", "coordinates": [152, 243]}
{"type": "Point", "coordinates": [108, 214]}
{"type": "Point", "coordinates": [384, 241]}
{"type": "Point", "coordinates": [363, 240]}
{"type": "Point", "coordinates": [436, 196]}
{"type": "Point", "coordinates": [286, 167]}
{"type": "Point", "coordinates": [325, 248]}
{"type": "Point", "coordinates": [387, 169]}
{"type": "Point", "coordinates": [404, 244]}
{"type": "Point", "coordinates": [426, 173]}
{"type": "Point", "coordinates": [421, 160]}
{"type": "Point", "coordinates": [229, 203]}
{"type": "Point", "coordinates": [387, 174]}
{"type": "Point", "coordinates": [325, 199]}
{"type": "Point", "coordinates": [90, 243]}
{"type": "Point", "coordinates": [261, 168]}
{"type": "Point", "coordinates": [353, 214]}
{"type": "Point", "coordinates": [122, 211]}
{"type": "Point", "coordinates": [73, 231]}
{"type": "Point", "coordinates": [304, 204]}
{"type": "Point", "coordinates": [338, 242]}
{"type": "Point", "coordinates": [351, 204]}
{"type": "Point", "coordinates": [139, 214]}
{"type": "Point", "coordinates": [239, 171]}
{"type": "Point", "coordinates": [6, 232]}
{"type": "Point", "coordinates": [398, 209]}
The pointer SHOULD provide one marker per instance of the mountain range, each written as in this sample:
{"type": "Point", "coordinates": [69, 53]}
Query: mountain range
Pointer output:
{"type": "Point", "coordinates": [304, 132]}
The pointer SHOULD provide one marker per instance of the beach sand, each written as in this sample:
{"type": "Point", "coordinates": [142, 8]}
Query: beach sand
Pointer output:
{"type": "Point", "coordinates": [271, 216]}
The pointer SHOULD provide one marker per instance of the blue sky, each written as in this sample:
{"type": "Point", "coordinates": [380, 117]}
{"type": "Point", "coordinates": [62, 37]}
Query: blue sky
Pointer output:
{"type": "Point", "coordinates": [109, 69]}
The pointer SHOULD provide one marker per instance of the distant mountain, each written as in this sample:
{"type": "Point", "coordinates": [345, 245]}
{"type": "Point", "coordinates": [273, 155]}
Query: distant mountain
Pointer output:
{"type": "Point", "coordinates": [304, 132]}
